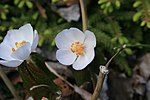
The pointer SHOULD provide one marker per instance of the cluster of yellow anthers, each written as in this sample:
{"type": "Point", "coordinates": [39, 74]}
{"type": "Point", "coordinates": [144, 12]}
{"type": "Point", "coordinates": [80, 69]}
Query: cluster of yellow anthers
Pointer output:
{"type": "Point", "coordinates": [18, 45]}
{"type": "Point", "coordinates": [77, 48]}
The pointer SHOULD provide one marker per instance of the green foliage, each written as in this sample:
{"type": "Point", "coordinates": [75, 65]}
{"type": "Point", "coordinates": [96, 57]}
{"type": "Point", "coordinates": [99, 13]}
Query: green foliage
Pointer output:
{"type": "Point", "coordinates": [120, 26]}
{"type": "Point", "coordinates": [35, 74]}
{"type": "Point", "coordinates": [108, 6]}
{"type": "Point", "coordinates": [3, 11]}
{"type": "Point", "coordinates": [22, 3]}
{"type": "Point", "coordinates": [142, 13]}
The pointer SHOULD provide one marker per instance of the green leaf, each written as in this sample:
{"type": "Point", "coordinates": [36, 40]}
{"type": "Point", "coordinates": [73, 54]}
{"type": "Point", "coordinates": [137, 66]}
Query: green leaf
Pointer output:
{"type": "Point", "coordinates": [3, 15]}
{"type": "Point", "coordinates": [137, 3]}
{"type": "Point", "coordinates": [117, 3]}
{"type": "Point", "coordinates": [110, 9]}
{"type": "Point", "coordinates": [2, 28]}
{"type": "Point", "coordinates": [105, 10]}
{"type": "Point", "coordinates": [53, 43]}
{"type": "Point", "coordinates": [103, 6]}
{"type": "Point", "coordinates": [55, 1]}
{"type": "Point", "coordinates": [125, 39]}
{"type": "Point", "coordinates": [35, 15]}
{"type": "Point", "coordinates": [123, 65]}
{"type": "Point", "coordinates": [102, 1]}
{"type": "Point", "coordinates": [21, 4]}
{"type": "Point", "coordinates": [108, 4]}
{"type": "Point", "coordinates": [60, 20]}
{"type": "Point", "coordinates": [121, 40]}
{"type": "Point", "coordinates": [137, 16]}
{"type": "Point", "coordinates": [29, 4]}
{"type": "Point", "coordinates": [16, 2]}
{"type": "Point", "coordinates": [1, 38]}
{"type": "Point", "coordinates": [34, 73]}
{"type": "Point", "coordinates": [6, 6]}
{"type": "Point", "coordinates": [148, 24]}
{"type": "Point", "coordinates": [114, 39]}
{"type": "Point", "coordinates": [143, 23]}
{"type": "Point", "coordinates": [41, 40]}
{"type": "Point", "coordinates": [128, 51]}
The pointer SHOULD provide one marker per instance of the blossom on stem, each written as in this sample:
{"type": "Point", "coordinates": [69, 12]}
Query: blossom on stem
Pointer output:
{"type": "Point", "coordinates": [17, 45]}
{"type": "Point", "coordinates": [75, 47]}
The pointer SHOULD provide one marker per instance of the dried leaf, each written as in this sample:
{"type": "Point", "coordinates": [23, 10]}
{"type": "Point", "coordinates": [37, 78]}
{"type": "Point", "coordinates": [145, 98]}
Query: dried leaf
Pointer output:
{"type": "Point", "coordinates": [71, 13]}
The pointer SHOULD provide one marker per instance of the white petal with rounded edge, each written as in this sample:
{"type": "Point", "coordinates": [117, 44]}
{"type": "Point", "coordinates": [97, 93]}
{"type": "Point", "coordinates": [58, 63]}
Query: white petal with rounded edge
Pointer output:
{"type": "Point", "coordinates": [24, 33]}
{"type": "Point", "coordinates": [5, 51]}
{"type": "Point", "coordinates": [11, 63]}
{"type": "Point", "coordinates": [35, 40]}
{"type": "Point", "coordinates": [76, 35]}
{"type": "Point", "coordinates": [12, 37]}
{"type": "Point", "coordinates": [83, 60]}
{"type": "Point", "coordinates": [90, 39]}
{"type": "Point", "coordinates": [66, 57]}
{"type": "Point", "coordinates": [63, 41]}
{"type": "Point", "coordinates": [65, 38]}
{"type": "Point", "coordinates": [23, 52]}
{"type": "Point", "coordinates": [27, 32]}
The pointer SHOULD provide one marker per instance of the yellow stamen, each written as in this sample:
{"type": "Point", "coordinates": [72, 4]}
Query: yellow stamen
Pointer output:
{"type": "Point", "coordinates": [77, 48]}
{"type": "Point", "coordinates": [13, 49]}
{"type": "Point", "coordinates": [18, 45]}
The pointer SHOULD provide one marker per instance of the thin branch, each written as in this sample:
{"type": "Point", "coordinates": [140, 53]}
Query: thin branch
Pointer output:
{"type": "Point", "coordinates": [101, 76]}
{"type": "Point", "coordinates": [133, 46]}
{"type": "Point", "coordinates": [41, 9]}
{"type": "Point", "coordinates": [9, 84]}
{"type": "Point", "coordinates": [84, 16]}
{"type": "Point", "coordinates": [84, 94]}
{"type": "Point", "coordinates": [123, 47]}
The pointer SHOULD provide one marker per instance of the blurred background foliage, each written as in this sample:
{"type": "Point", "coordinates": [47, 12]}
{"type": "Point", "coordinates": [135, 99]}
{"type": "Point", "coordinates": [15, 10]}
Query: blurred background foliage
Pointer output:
{"type": "Point", "coordinates": [114, 22]}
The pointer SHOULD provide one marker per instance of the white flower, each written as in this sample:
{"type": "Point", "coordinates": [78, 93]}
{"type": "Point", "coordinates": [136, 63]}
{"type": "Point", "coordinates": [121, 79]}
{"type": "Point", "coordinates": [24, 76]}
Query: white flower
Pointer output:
{"type": "Point", "coordinates": [17, 45]}
{"type": "Point", "coordinates": [75, 47]}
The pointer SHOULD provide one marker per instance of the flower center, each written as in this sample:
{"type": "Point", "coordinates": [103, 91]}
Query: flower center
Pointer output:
{"type": "Point", "coordinates": [77, 48]}
{"type": "Point", "coordinates": [18, 45]}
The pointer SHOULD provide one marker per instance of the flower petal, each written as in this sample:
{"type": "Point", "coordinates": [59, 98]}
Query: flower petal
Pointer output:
{"type": "Point", "coordinates": [35, 40]}
{"type": "Point", "coordinates": [27, 32]}
{"type": "Point", "coordinates": [90, 39]}
{"type": "Point", "coordinates": [66, 57]}
{"type": "Point", "coordinates": [65, 38]}
{"type": "Point", "coordinates": [23, 52]}
{"type": "Point", "coordinates": [76, 35]}
{"type": "Point", "coordinates": [12, 37]}
{"type": "Point", "coordinates": [11, 63]}
{"type": "Point", "coordinates": [62, 41]}
{"type": "Point", "coordinates": [24, 33]}
{"type": "Point", "coordinates": [83, 60]}
{"type": "Point", "coordinates": [5, 51]}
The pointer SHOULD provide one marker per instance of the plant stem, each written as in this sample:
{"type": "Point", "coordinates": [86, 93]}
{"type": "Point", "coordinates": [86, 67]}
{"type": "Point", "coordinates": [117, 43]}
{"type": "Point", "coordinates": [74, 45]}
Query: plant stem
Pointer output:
{"type": "Point", "coordinates": [136, 45]}
{"type": "Point", "coordinates": [107, 64]}
{"type": "Point", "coordinates": [9, 84]}
{"type": "Point", "coordinates": [84, 17]}
{"type": "Point", "coordinates": [84, 94]}
{"type": "Point", "coordinates": [101, 76]}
